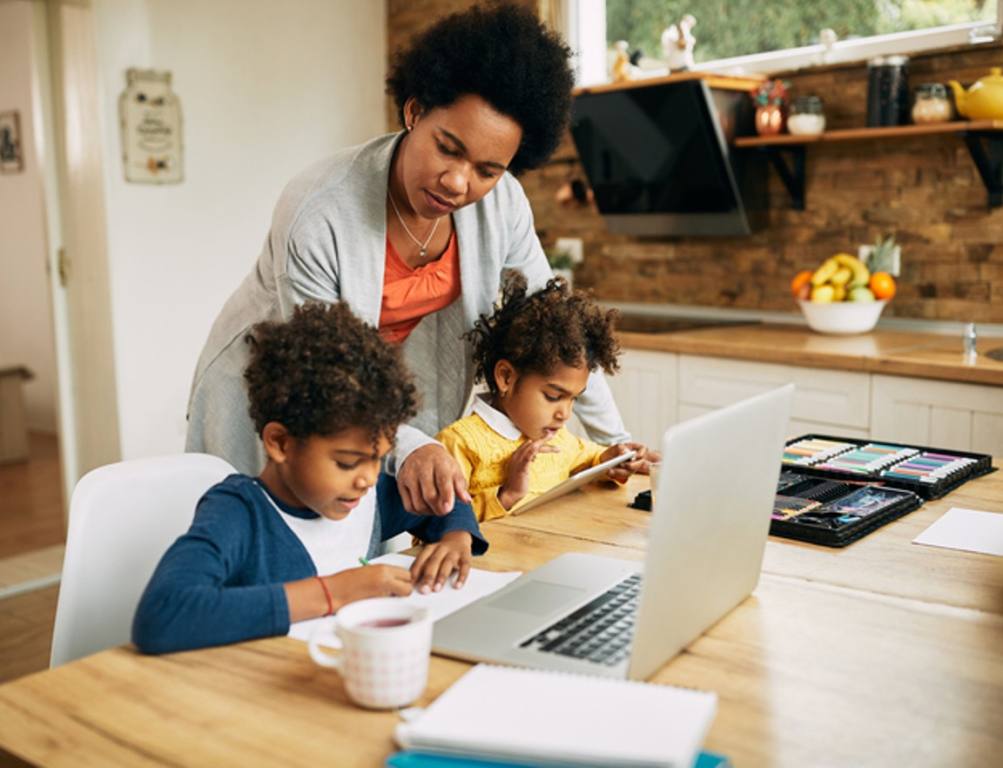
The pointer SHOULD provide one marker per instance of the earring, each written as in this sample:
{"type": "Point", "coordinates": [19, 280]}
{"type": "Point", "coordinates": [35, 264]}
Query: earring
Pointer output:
{"type": "Point", "coordinates": [408, 128]}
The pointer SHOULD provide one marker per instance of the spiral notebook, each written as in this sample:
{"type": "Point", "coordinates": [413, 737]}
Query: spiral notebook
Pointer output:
{"type": "Point", "coordinates": [509, 713]}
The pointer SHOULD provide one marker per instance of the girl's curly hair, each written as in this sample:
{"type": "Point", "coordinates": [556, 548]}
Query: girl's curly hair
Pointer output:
{"type": "Point", "coordinates": [502, 53]}
{"type": "Point", "coordinates": [324, 370]}
{"type": "Point", "coordinates": [535, 332]}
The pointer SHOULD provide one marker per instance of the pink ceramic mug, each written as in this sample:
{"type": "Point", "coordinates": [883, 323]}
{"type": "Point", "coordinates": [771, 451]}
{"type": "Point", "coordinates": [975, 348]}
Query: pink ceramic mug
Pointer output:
{"type": "Point", "coordinates": [386, 644]}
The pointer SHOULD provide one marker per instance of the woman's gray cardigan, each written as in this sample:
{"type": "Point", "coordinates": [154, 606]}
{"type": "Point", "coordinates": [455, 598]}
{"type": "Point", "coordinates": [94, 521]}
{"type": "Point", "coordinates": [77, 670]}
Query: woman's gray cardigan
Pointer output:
{"type": "Point", "coordinates": [327, 242]}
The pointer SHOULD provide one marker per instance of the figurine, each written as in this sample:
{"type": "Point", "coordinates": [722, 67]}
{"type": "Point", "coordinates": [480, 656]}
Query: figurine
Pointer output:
{"type": "Point", "coordinates": [677, 44]}
{"type": "Point", "coordinates": [622, 69]}
{"type": "Point", "coordinates": [827, 38]}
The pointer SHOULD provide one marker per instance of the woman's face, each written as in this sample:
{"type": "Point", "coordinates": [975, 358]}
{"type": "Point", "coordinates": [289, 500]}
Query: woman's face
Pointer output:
{"type": "Point", "coordinates": [453, 156]}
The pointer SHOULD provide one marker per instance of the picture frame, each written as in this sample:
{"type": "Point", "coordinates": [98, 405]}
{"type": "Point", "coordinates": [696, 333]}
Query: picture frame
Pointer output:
{"type": "Point", "coordinates": [11, 152]}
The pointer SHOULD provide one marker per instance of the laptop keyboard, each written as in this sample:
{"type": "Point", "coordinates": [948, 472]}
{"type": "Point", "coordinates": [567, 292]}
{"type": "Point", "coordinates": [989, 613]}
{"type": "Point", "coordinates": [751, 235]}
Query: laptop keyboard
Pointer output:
{"type": "Point", "coordinates": [599, 631]}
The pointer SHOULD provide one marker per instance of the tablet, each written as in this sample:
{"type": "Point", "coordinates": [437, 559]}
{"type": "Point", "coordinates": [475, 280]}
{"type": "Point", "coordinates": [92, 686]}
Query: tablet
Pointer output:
{"type": "Point", "coordinates": [576, 480]}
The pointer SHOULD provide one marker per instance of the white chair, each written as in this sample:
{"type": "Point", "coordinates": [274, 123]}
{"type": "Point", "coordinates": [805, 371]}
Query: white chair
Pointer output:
{"type": "Point", "coordinates": [123, 517]}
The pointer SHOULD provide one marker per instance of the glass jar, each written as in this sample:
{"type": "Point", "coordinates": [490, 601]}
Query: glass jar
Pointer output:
{"type": "Point", "coordinates": [888, 91]}
{"type": "Point", "coordinates": [806, 117]}
{"type": "Point", "coordinates": [931, 105]}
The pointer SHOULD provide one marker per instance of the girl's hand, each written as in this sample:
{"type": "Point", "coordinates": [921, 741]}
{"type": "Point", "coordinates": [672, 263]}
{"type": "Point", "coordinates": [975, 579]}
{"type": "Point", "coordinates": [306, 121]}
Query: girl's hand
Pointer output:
{"type": "Point", "coordinates": [436, 562]}
{"type": "Point", "coordinates": [516, 483]}
{"type": "Point", "coordinates": [643, 459]}
{"type": "Point", "coordinates": [368, 581]}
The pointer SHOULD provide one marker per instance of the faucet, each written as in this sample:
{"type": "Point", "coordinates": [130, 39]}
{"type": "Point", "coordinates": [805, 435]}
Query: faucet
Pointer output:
{"type": "Point", "coordinates": [970, 338]}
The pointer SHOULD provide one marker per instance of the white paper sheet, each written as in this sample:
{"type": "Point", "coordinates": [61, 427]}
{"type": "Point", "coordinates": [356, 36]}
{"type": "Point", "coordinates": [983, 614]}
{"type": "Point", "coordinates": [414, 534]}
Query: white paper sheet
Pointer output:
{"type": "Point", "coordinates": [439, 604]}
{"type": "Point", "coordinates": [967, 529]}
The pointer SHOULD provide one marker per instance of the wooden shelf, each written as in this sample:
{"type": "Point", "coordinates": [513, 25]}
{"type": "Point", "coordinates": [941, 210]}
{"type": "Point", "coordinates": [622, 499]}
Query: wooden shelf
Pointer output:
{"type": "Point", "coordinates": [984, 139]}
{"type": "Point", "coordinates": [859, 134]}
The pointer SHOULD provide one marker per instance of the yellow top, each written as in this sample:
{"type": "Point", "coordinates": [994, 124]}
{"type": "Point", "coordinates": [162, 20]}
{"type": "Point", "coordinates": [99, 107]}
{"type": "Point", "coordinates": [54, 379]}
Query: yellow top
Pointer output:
{"type": "Point", "coordinates": [482, 444]}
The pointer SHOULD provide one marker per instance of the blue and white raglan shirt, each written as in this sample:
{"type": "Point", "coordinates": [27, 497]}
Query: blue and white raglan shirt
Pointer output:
{"type": "Point", "coordinates": [222, 581]}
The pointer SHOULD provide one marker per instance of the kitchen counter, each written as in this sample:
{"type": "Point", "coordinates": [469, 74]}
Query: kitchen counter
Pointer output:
{"type": "Point", "coordinates": [902, 353]}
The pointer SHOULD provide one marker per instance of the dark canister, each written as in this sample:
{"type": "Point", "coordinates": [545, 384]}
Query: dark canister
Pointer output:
{"type": "Point", "coordinates": [888, 91]}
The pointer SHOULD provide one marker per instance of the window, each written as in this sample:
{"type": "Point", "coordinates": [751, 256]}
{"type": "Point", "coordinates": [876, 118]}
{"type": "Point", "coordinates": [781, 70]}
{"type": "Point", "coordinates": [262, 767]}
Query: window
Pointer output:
{"type": "Point", "coordinates": [772, 35]}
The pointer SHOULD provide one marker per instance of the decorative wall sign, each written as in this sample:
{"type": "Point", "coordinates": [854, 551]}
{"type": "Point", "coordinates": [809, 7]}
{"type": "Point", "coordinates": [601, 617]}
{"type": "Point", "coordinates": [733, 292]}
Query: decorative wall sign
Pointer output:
{"type": "Point", "coordinates": [11, 157]}
{"type": "Point", "coordinates": [150, 115]}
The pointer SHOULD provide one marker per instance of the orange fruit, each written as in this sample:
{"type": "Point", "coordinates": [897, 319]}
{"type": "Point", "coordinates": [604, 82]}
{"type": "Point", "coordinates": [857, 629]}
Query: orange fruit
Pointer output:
{"type": "Point", "coordinates": [800, 280]}
{"type": "Point", "coordinates": [882, 285]}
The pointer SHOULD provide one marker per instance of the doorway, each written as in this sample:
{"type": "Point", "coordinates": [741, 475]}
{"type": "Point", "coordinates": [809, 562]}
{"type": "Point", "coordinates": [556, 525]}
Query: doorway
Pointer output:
{"type": "Point", "coordinates": [54, 325]}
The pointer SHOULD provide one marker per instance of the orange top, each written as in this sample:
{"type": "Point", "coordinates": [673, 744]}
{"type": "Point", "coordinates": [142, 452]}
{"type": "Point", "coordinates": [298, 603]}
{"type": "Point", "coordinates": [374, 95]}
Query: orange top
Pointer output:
{"type": "Point", "coordinates": [410, 294]}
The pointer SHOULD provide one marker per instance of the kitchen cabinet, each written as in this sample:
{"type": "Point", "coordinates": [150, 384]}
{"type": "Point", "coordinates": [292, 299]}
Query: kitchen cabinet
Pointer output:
{"type": "Point", "coordinates": [656, 389]}
{"type": "Point", "coordinates": [943, 414]}
{"type": "Point", "coordinates": [646, 392]}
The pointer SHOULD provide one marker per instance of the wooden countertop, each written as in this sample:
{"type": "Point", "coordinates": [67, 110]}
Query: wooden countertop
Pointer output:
{"type": "Point", "coordinates": [898, 353]}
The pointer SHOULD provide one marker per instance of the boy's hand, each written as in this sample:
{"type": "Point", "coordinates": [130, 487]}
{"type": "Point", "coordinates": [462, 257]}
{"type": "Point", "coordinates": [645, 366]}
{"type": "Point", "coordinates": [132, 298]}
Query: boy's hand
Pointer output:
{"type": "Point", "coordinates": [516, 483]}
{"type": "Point", "coordinates": [368, 581]}
{"type": "Point", "coordinates": [434, 564]}
{"type": "Point", "coordinates": [643, 459]}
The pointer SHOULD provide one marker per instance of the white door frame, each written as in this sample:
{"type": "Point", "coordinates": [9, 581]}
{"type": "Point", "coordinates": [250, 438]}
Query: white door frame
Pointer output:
{"type": "Point", "coordinates": [69, 144]}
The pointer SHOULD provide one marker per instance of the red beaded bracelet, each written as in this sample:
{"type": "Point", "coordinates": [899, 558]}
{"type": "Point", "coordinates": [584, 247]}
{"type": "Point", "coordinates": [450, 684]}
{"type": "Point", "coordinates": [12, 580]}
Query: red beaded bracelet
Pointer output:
{"type": "Point", "coordinates": [327, 594]}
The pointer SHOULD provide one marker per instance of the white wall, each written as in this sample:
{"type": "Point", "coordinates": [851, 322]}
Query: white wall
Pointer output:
{"type": "Point", "coordinates": [266, 88]}
{"type": "Point", "coordinates": [25, 316]}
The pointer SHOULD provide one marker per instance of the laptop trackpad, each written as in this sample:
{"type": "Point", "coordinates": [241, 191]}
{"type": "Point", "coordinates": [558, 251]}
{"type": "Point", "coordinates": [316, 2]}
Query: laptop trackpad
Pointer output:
{"type": "Point", "coordinates": [537, 597]}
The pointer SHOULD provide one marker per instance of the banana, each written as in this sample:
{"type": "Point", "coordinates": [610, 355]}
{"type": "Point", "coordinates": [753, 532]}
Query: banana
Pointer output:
{"type": "Point", "coordinates": [823, 273]}
{"type": "Point", "coordinates": [841, 277]}
{"type": "Point", "coordinates": [839, 292]}
{"type": "Point", "coordinates": [861, 274]}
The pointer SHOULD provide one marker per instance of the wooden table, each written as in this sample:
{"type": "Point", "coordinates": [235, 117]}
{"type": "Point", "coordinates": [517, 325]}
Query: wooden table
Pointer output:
{"type": "Point", "coordinates": [879, 654]}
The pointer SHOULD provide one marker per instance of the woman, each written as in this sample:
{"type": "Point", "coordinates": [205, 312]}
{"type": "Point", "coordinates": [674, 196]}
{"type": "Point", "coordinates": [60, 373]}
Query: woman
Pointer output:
{"type": "Point", "coordinates": [413, 230]}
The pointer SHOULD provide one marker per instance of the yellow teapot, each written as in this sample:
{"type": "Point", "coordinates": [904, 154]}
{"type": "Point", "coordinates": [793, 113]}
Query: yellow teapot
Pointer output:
{"type": "Point", "coordinates": [984, 100]}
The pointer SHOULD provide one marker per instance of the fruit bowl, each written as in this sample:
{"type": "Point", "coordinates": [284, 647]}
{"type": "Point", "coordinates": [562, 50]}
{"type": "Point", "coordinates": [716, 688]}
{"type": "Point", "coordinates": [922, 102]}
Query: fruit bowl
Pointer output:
{"type": "Point", "coordinates": [842, 316]}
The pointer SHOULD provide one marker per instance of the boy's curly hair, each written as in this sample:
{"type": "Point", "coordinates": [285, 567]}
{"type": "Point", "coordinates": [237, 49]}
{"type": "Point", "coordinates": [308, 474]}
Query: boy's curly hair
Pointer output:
{"type": "Point", "coordinates": [502, 53]}
{"type": "Point", "coordinates": [537, 331]}
{"type": "Point", "coordinates": [323, 371]}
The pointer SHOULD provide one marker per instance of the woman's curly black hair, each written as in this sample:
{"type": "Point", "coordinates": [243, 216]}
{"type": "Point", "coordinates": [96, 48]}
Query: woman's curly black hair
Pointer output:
{"type": "Point", "coordinates": [323, 371]}
{"type": "Point", "coordinates": [537, 331]}
{"type": "Point", "coordinates": [503, 54]}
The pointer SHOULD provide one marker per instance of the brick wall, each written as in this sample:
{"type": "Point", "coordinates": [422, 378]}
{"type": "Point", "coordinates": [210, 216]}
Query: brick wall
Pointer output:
{"type": "Point", "coordinates": [925, 190]}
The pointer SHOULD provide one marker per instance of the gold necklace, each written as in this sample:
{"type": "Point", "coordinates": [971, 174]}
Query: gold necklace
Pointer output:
{"type": "Point", "coordinates": [422, 247]}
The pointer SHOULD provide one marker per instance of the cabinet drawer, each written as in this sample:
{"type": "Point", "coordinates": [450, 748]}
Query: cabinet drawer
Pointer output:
{"type": "Point", "coordinates": [824, 397]}
{"type": "Point", "coordinates": [795, 427]}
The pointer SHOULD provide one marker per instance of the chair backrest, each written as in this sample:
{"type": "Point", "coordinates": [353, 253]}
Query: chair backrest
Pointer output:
{"type": "Point", "coordinates": [123, 517]}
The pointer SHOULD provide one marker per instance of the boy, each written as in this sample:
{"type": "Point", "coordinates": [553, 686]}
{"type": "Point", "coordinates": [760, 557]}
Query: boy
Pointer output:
{"type": "Point", "coordinates": [327, 395]}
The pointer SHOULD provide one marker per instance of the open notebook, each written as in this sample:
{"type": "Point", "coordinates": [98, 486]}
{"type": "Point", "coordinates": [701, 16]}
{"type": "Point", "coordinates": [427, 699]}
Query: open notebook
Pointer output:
{"type": "Point", "coordinates": [513, 714]}
{"type": "Point", "coordinates": [439, 604]}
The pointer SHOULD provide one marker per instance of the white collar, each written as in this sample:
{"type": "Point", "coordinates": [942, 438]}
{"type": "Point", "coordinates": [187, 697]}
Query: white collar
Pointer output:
{"type": "Point", "coordinates": [495, 419]}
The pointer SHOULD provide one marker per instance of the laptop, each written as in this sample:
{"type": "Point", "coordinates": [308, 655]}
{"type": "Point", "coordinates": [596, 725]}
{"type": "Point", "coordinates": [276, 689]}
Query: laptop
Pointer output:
{"type": "Point", "coordinates": [598, 615]}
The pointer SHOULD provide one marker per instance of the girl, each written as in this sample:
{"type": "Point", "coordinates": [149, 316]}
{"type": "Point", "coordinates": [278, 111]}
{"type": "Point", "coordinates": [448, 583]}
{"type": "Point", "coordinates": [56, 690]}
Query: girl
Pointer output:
{"type": "Point", "coordinates": [536, 353]}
